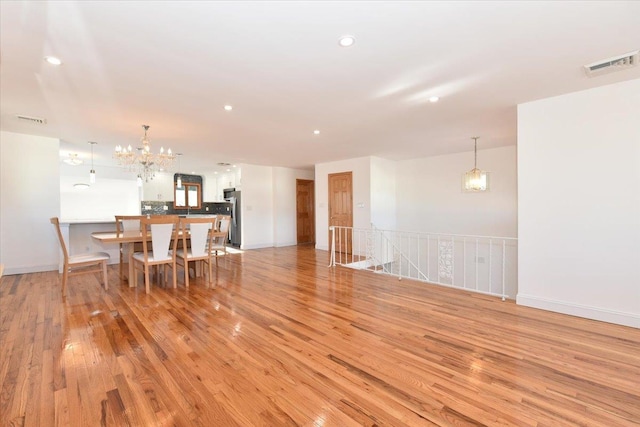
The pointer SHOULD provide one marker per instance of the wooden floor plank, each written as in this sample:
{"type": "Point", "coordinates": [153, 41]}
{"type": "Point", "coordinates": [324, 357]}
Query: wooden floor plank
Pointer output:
{"type": "Point", "coordinates": [282, 340]}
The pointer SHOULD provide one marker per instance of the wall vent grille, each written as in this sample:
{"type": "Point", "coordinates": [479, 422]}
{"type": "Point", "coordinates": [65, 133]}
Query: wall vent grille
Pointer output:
{"type": "Point", "coordinates": [617, 63]}
{"type": "Point", "coordinates": [36, 120]}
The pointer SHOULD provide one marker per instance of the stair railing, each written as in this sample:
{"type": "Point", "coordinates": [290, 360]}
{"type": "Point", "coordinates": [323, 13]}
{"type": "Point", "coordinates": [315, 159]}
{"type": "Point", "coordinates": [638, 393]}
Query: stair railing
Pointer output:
{"type": "Point", "coordinates": [484, 264]}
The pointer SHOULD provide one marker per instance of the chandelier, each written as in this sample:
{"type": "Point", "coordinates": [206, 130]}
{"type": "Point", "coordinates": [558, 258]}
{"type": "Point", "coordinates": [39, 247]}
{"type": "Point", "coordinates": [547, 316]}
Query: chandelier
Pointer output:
{"type": "Point", "coordinates": [475, 179]}
{"type": "Point", "coordinates": [142, 160]}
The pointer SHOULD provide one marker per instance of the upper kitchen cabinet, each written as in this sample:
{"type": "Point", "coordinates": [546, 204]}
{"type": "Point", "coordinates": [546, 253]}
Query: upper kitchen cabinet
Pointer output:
{"type": "Point", "coordinates": [159, 188]}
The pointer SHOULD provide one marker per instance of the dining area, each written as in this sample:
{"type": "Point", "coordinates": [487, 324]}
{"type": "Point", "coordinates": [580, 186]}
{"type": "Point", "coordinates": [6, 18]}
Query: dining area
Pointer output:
{"type": "Point", "coordinates": [161, 250]}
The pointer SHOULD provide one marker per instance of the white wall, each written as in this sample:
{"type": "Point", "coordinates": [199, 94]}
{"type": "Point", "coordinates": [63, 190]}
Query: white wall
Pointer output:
{"type": "Point", "coordinates": [257, 207]}
{"type": "Point", "coordinates": [579, 203]}
{"type": "Point", "coordinates": [430, 196]}
{"type": "Point", "coordinates": [115, 192]}
{"type": "Point", "coordinates": [360, 169]}
{"type": "Point", "coordinates": [383, 194]}
{"type": "Point", "coordinates": [29, 196]}
{"type": "Point", "coordinates": [284, 204]}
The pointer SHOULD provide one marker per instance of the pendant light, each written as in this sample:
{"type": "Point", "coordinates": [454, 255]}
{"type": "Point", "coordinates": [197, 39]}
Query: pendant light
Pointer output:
{"type": "Point", "coordinates": [92, 172]}
{"type": "Point", "coordinates": [179, 179]}
{"type": "Point", "coordinates": [475, 179]}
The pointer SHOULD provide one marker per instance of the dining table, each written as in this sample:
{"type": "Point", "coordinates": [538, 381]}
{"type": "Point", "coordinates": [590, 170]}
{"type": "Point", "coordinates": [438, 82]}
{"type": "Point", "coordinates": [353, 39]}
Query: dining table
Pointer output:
{"type": "Point", "coordinates": [131, 237]}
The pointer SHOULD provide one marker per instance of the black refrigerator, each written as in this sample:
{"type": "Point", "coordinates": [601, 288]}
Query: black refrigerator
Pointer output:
{"type": "Point", "coordinates": [235, 231]}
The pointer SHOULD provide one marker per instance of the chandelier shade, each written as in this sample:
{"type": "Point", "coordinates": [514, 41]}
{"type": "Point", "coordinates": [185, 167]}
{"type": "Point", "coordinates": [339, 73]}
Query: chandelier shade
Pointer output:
{"type": "Point", "coordinates": [142, 160]}
{"type": "Point", "coordinates": [476, 179]}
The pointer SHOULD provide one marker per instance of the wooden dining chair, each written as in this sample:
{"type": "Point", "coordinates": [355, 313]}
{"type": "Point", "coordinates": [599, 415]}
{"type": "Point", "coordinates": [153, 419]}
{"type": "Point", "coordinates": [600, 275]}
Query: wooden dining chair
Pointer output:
{"type": "Point", "coordinates": [79, 264]}
{"type": "Point", "coordinates": [220, 236]}
{"type": "Point", "coordinates": [125, 224]}
{"type": "Point", "coordinates": [197, 232]}
{"type": "Point", "coordinates": [162, 232]}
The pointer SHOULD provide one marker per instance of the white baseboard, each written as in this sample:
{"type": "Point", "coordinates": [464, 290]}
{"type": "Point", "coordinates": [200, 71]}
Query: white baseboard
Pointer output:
{"type": "Point", "coordinates": [29, 269]}
{"type": "Point", "coordinates": [257, 246]}
{"type": "Point", "coordinates": [588, 312]}
{"type": "Point", "coordinates": [282, 245]}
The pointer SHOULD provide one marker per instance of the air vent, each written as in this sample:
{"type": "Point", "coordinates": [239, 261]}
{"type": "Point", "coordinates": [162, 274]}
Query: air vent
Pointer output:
{"type": "Point", "coordinates": [224, 164]}
{"type": "Point", "coordinates": [36, 120]}
{"type": "Point", "coordinates": [616, 63]}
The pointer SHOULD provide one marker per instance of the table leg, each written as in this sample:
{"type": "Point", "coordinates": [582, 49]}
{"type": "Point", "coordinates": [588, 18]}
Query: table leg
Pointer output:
{"type": "Point", "coordinates": [130, 248]}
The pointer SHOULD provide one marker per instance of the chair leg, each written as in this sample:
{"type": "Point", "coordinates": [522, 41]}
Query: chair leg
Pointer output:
{"type": "Point", "coordinates": [121, 260]}
{"type": "Point", "coordinates": [175, 276]}
{"type": "Point", "coordinates": [65, 276]}
{"type": "Point", "coordinates": [132, 270]}
{"type": "Point", "coordinates": [146, 278]}
{"type": "Point", "coordinates": [209, 280]}
{"type": "Point", "coordinates": [133, 274]}
{"type": "Point", "coordinates": [186, 272]}
{"type": "Point", "coordinates": [104, 275]}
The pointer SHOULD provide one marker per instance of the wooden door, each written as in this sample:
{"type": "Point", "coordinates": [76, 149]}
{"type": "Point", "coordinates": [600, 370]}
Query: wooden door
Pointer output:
{"type": "Point", "coordinates": [341, 208]}
{"type": "Point", "coordinates": [305, 217]}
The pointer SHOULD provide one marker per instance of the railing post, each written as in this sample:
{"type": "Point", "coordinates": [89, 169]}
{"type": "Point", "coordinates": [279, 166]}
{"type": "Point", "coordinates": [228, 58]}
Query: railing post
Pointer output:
{"type": "Point", "coordinates": [332, 259]}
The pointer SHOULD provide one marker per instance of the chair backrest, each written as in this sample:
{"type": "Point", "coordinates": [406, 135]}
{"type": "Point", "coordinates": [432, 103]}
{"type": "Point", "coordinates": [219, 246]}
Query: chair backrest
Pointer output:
{"type": "Point", "coordinates": [63, 246]}
{"type": "Point", "coordinates": [126, 223]}
{"type": "Point", "coordinates": [199, 231]}
{"type": "Point", "coordinates": [224, 221]}
{"type": "Point", "coordinates": [162, 228]}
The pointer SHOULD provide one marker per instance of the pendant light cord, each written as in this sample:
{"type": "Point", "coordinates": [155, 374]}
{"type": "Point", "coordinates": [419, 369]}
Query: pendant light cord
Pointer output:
{"type": "Point", "coordinates": [475, 151]}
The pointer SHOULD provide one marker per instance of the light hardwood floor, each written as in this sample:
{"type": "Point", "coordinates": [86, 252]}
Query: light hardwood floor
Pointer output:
{"type": "Point", "coordinates": [283, 341]}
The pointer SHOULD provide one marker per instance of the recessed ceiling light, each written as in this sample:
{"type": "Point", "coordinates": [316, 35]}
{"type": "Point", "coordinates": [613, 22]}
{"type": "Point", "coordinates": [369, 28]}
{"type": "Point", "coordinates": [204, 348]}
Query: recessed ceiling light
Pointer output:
{"type": "Point", "coordinates": [434, 99]}
{"type": "Point", "coordinates": [316, 132]}
{"type": "Point", "coordinates": [228, 107]}
{"type": "Point", "coordinates": [346, 41]}
{"type": "Point", "coordinates": [233, 166]}
{"type": "Point", "coordinates": [52, 60]}
{"type": "Point", "coordinates": [81, 186]}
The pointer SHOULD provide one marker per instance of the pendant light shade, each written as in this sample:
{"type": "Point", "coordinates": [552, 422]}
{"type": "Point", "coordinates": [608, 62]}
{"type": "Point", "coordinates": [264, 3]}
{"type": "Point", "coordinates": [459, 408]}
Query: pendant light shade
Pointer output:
{"type": "Point", "coordinates": [476, 179]}
{"type": "Point", "coordinates": [179, 179]}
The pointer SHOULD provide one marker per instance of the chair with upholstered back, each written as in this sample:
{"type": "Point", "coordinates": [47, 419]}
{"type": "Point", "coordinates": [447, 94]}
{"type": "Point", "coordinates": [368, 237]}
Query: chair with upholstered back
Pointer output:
{"type": "Point", "coordinates": [127, 224]}
{"type": "Point", "coordinates": [221, 235]}
{"type": "Point", "coordinates": [198, 231]}
{"type": "Point", "coordinates": [161, 230]}
{"type": "Point", "coordinates": [78, 264]}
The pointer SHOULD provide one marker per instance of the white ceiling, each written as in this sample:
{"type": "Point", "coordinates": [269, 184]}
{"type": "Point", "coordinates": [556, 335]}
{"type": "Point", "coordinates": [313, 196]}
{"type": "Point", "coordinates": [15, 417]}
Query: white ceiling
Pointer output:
{"type": "Point", "coordinates": [174, 65]}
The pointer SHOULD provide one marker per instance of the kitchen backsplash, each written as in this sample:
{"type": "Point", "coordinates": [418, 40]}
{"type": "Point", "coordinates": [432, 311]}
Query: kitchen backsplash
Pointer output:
{"type": "Point", "coordinates": [150, 207]}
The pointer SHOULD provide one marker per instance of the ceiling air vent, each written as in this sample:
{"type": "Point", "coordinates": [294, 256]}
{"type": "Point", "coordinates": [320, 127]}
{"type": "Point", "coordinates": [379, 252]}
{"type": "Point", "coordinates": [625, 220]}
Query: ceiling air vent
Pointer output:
{"type": "Point", "coordinates": [36, 120]}
{"type": "Point", "coordinates": [616, 63]}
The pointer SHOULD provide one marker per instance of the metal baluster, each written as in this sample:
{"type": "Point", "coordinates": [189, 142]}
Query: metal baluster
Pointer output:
{"type": "Point", "coordinates": [476, 264]}
{"type": "Point", "coordinates": [464, 262]}
{"type": "Point", "coordinates": [453, 262]}
{"type": "Point", "coordinates": [490, 246]}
